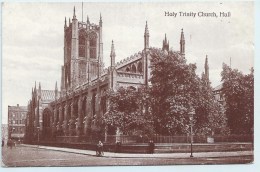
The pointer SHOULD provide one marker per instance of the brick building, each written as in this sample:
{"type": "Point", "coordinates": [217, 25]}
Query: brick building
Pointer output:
{"type": "Point", "coordinates": [16, 122]}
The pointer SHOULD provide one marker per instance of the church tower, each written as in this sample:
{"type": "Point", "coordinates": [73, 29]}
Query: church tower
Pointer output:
{"type": "Point", "coordinates": [165, 44]}
{"type": "Point", "coordinates": [83, 52]}
{"type": "Point", "coordinates": [182, 44]}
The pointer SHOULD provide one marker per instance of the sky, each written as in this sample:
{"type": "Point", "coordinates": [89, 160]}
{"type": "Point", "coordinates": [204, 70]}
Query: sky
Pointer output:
{"type": "Point", "coordinates": [33, 35]}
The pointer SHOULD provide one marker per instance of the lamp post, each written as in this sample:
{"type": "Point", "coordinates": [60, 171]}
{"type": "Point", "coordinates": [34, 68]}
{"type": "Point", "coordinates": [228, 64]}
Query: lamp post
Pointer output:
{"type": "Point", "coordinates": [191, 113]}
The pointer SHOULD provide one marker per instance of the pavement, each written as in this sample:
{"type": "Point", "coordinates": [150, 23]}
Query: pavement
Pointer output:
{"type": "Point", "coordinates": [156, 155]}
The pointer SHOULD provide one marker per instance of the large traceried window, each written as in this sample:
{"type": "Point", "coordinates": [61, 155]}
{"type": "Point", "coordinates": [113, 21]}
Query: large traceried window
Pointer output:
{"type": "Point", "coordinates": [133, 68]}
{"type": "Point", "coordinates": [103, 102]}
{"type": "Point", "coordinates": [82, 44]}
{"type": "Point", "coordinates": [93, 45]}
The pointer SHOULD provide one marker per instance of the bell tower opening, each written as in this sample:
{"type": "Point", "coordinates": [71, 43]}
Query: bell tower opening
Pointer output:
{"type": "Point", "coordinates": [82, 44]}
{"type": "Point", "coordinates": [93, 45]}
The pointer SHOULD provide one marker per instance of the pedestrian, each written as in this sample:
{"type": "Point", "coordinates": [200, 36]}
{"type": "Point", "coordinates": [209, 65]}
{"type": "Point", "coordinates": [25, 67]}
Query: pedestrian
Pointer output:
{"type": "Point", "coordinates": [151, 147]}
{"type": "Point", "coordinates": [99, 149]}
{"type": "Point", "coordinates": [3, 142]}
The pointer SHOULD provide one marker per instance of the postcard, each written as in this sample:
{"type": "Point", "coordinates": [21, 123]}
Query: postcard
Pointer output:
{"type": "Point", "coordinates": [116, 84]}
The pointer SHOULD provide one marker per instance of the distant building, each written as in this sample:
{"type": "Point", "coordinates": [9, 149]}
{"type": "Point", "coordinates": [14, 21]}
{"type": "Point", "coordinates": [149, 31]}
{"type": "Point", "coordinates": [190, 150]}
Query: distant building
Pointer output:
{"type": "Point", "coordinates": [16, 122]}
{"type": "Point", "coordinates": [4, 132]}
{"type": "Point", "coordinates": [218, 94]}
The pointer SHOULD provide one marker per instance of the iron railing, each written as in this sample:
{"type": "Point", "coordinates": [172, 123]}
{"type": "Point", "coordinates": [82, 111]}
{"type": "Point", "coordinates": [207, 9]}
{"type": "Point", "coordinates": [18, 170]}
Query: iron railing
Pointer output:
{"type": "Point", "coordinates": [179, 139]}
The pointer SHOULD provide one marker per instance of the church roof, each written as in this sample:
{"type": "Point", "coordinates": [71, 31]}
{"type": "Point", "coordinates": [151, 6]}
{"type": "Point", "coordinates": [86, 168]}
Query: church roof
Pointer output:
{"type": "Point", "coordinates": [128, 60]}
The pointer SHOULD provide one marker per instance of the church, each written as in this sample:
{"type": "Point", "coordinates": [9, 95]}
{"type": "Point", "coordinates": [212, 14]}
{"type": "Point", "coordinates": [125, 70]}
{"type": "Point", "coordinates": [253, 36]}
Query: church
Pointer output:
{"type": "Point", "coordinates": [74, 110]}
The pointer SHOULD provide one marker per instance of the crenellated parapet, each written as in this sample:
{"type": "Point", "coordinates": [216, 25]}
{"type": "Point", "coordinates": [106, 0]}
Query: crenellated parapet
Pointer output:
{"type": "Point", "coordinates": [131, 65]}
{"type": "Point", "coordinates": [129, 60]}
{"type": "Point", "coordinates": [91, 26]}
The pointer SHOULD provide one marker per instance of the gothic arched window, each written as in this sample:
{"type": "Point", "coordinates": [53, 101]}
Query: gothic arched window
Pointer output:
{"type": "Point", "coordinates": [46, 122]}
{"type": "Point", "coordinates": [85, 107]}
{"type": "Point", "coordinates": [93, 45]}
{"type": "Point", "coordinates": [139, 67]}
{"type": "Point", "coordinates": [127, 69]}
{"type": "Point", "coordinates": [133, 68]}
{"type": "Point", "coordinates": [82, 44]}
{"type": "Point", "coordinates": [103, 104]}
{"type": "Point", "coordinates": [93, 104]}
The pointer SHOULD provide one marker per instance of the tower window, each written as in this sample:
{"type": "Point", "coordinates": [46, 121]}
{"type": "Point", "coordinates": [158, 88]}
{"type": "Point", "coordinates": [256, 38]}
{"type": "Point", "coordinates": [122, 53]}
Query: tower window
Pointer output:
{"type": "Point", "coordinates": [93, 42]}
{"type": "Point", "coordinates": [82, 44]}
{"type": "Point", "coordinates": [93, 45]}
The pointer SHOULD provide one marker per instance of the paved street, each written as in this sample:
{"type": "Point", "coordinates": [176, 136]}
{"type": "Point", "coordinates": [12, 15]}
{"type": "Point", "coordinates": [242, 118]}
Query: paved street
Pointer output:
{"type": "Point", "coordinates": [31, 156]}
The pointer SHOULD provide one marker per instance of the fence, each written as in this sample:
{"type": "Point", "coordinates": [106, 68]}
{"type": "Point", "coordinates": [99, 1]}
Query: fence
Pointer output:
{"type": "Point", "coordinates": [179, 139]}
{"type": "Point", "coordinates": [122, 139]}
{"type": "Point", "coordinates": [234, 138]}
{"type": "Point", "coordinates": [68, 139]}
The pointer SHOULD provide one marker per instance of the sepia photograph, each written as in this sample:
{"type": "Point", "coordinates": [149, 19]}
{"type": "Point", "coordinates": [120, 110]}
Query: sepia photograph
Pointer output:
{"type": "Point", "coordinates": [127, 84]}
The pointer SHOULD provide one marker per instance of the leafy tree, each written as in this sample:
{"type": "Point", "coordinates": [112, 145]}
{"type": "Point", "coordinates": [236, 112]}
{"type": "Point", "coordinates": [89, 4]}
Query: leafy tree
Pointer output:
{"type": "Point", "coordinates": [165, 105]}
{"type": "Point", "coordinates": [210, 114]}
{"type": "Point", "coordinates": [238, 90]}
{"type": "Point", "coordinates": [173, 91]}
{"type": "Point", "coordinates": [249, 101]}
{"type": "Point", "coordinates": [127, 111]}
